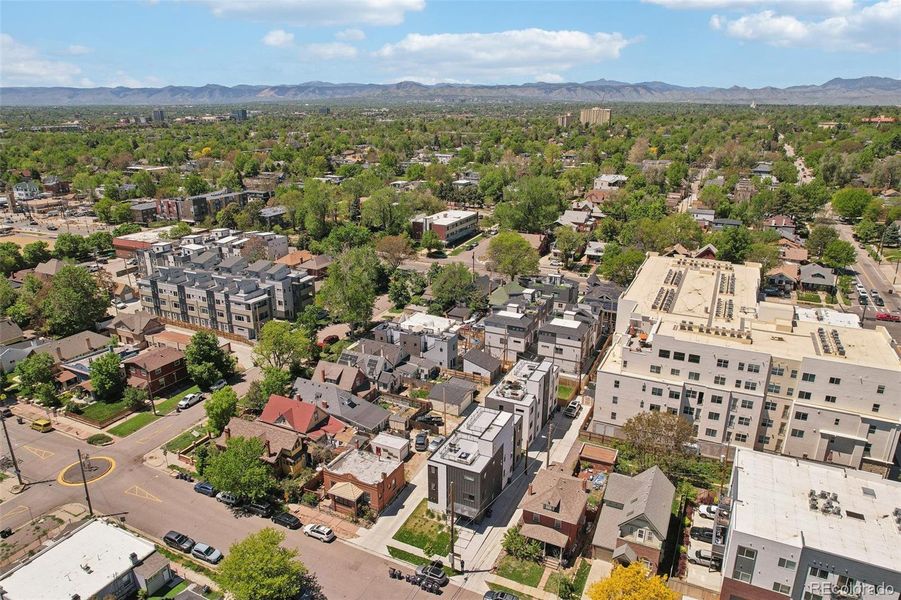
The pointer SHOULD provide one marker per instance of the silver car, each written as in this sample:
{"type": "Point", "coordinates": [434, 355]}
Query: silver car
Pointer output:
{"type": "Point", "coordinates": [206, 553]}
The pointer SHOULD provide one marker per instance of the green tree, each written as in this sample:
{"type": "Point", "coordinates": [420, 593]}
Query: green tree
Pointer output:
{"type": "Point", "coordinates": [126, 229]}
{"type": "Point", "coordinates": [620, 265]}
{"type": "Point", "coordinates": [512, 255]}
{"type": "Point", "coordinates": [100, 242]}
{"type": "Point", "coordinates": [394, 249]}
{"type": "Point", "coordinates": [849, 203]}
{"type": "Point", "coordinates": [207, 361]}
{"type": "Point", "coordinates": [531, 205]}
{"type": "Point", "coordinates": [867, 231]}
{"type": "Point", "coordinates": [452, 285]}
{"type": "Point", "coordinates": [135, 398]}
{"type": "Point", "coordinates": [73, 303]}
{"type": "Point", "coordinates": [569, 242]}
{"type": "Point", "coordinates": [10, 258]}
{"type": "Point", "coordinates": [820, 237]}
{"type": "Point", "coordinates": [733, 244]}
{"type": "Point", "coordinates": [179, 230]}
{"type": "Point", "coordinates": [34, 373]}
{"type": "Point", "coordinates": [349, 290]}
{"type": "Point", "coordinates": [385, 212]}
{"type": "Point", "coordinates": [282, 346]}
{"type": "Point", "coordinates": [70, 245]}
{"type": "Point", "coordinates": [259, 568]}
{"type": "Point", "coordinates": [34, 253]}
{"type": "Point", "coordinates": [343, 238]}
{"type": "Point", "coordinates": [519, 546]}
{"type": "Point", "coordinates": [239, 470]}
{"type": "Point", "coordinates": [8, 295]}
{"type": "Point", "coordinates": [839, 254]}
{"type": "Point", "coordinates": [195, 185]}
{"type": "Point", "coordinates": [146, 188]}
{"type": "Point", "coordinates": [220, 407]}
{"type": "Point", "coordinates": [430, 241]}
{"type": "Point", "coordinates": [107, 377]}
{"type": "Point", "coordinates": [658, 438]}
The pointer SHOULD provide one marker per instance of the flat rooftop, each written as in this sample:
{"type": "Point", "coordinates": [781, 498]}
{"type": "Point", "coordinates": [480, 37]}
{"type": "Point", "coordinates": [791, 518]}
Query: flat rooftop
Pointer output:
{"type": "Point", "coordinates": [450, 217]}
{"type": "Point", "coordinates": [58, 571]}
{"type": "Point", "coordinates": [150, 235]}
{"type": "Point", "coordinates": [365, 466]}
{"type": "Point", "coordinates": [419, 322]}
{"type": "Point", "coordinates": [771, 500]}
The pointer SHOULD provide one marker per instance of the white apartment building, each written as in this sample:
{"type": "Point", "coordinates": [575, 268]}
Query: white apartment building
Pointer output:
{"type": "Point", "coordinates": [567, 342]}
{"type": "Point", "coordinates": [529, 391]}
{"type": "Point", "coordinates": [478, 459]}
{"type": "Point", "coordinates": [509, 333]}
{"type": "Point", "coordinates": [809, 531]}
{"type": "Point", "coordinates": [692, 339]}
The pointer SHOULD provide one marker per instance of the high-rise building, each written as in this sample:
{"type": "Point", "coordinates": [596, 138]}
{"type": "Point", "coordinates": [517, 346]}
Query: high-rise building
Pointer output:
{"type": "Point", "coordinates": [239, 115]}
{"type": "Point", "coordinates": [595, 116]}
{"type": "Point", "coordinates": [566, 120]}
{"type": "Point", "coordinates": [159, 115]}
{"type": "Point", "coordinates": [692, 339]}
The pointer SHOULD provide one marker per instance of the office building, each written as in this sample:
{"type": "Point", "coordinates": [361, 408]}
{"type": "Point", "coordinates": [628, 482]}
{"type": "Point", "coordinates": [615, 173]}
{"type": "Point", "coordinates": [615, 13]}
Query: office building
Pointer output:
{"type": "Point", "coordinates": [808, 531]}
{"type": "Point", "coordinates": [450, 226]}
{"type": "Point", "coordinates": [528, 391]}
{"type": "Point", "coordinates": [691, 338]}
{"type": "Point", "coordinates": [477, 461]}
{"type": "Point", "coordinates": [594, 116]}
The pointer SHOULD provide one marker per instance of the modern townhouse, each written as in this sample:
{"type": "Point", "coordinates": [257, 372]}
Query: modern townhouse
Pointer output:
{"type": "Point", "coordinates": [528, 391]}
{"type": "Point", "coordinates": [428, 336]}
{"type": "Point", "coordinates": [808, 531]}
{"type": "Point", "coordinates": [567, 342]}
{"type": "Point", "coordinates": [509, 333]}
{"type": "Point", "coordinates": [692, 339]}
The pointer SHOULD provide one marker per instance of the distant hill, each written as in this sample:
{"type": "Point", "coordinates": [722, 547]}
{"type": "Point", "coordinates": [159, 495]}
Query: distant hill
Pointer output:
{"type": "Point", "coordinates": [864, 90]}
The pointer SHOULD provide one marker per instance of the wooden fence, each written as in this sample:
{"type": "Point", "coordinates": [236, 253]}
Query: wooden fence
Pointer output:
{"type": "Point", "coordinates": [692, 590]}
{"type": "Point", "coordinates": [193, 327]}
{"type": "Point", "coordinates": [474, 377]}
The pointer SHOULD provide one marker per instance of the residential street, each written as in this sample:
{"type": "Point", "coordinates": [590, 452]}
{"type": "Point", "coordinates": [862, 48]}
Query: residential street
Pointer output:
{"type": "Point", "coordinates": [870, 273]}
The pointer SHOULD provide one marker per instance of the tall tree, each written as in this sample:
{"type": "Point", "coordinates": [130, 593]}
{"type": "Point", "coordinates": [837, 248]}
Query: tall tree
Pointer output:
{"type": "Point", "coordinates": [207, 361]}
{"type": "Point", "coordinates": [620, 265]}
{"type": "Point", "coordinates": [569, 242]}
{"type": "Point", "coordinates": [107, 377]}
{"type": "Point", "coordinates": [35, 252]}
{"type": "Point", "coordinates": [73, 303]}
{"type": "Point", "coordinates": [657, 437]}
{"type": "Point", "coordinates": [839, 254]}
{"type": "Point", "coordinates": [512, 255]}
{"type": "Point", "coordinates": [531, 205]}
{"type": "Point", "coordinates": [634, 582]}
{"type": "Point", "coordinates": [452, 285]}
{"type": "Point", "coordinates": [820, 237]}
{"type": "Point", "coordinates": [349, 290]}
{"type": "Point", "coordinates": [430, 241]}
{"type": "Point", "coordinates": [259, 568]}
{"type": "Point", "coordinates": [239, 470]}
{"type": "Point", "coordinates": [220, 408]}
{"type": "Point", "coordinates": [850, 203]}
{"type": "Point", "coordinates": [282, 346]}
{"type": "Point", "coordinates": [35, 375]}
{"type": "Point", "coordinates": [394, 249]}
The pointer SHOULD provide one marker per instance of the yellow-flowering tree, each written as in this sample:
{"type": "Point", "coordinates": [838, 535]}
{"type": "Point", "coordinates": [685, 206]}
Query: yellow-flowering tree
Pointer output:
{"type": "Point", "coordinates": [634, 582]}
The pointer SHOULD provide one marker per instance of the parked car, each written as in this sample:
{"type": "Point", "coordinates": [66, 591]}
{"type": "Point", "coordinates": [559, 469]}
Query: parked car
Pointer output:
{"type": "Point", "coordinates": [227, 498]}
{"type": "Point", "coordinates": [708, 511]}
{"type": "Point", "coordinates": [120, 305]}
{"type": "Point", "coordinates": [556, 263]}
{"type": "Point", "coordinates": [202, 487]}
{"type": "Point", "coordinates": [430, 419]}
{"type": "Point", "coordinates": [189, 400]}
{"type": "Point", "coordinates": [888, 317]}
{"type": "Point", "coordinates": [262, 509]}
{"type": "Point", "coordinates": [422, 442]}
{"type": "Point", "coordinates": [32, 222]}
{"type": "Point", "coordinates": [5, 412]}
{"type": "Point", "coordinates": [572, 409]}
{"type": "Point", "coordinates": [218, 385]}
{"type": "Point", "coordinates": [286, 520]}
{"type": "Point", "coordinates": [702, 534]}
{"type": "Point", "coordinates": [206, 553]}
{"type": "Point", "coordinates": [877, 300]}
{"type": "Point", "coordinates": [42, 425]}
{"type": "Point", "coordinates": [320, 532]}
{"type": "Point", "coordinates": [434, 571]}
{"type": "Point", "coordinates": [179, 541]}
{"type": "Point", "coordinates": [328, 341]}
{"type": "Point", "coordinates": [705, 558]}
{"type": "Point", "coordinates": [863, 300]}
{"type": "Point", "coordinates": [436, 443]}
{"type": "Point", "coordinates": [52, 228]}
{"type": "Point", "coordinates": [495, 595]}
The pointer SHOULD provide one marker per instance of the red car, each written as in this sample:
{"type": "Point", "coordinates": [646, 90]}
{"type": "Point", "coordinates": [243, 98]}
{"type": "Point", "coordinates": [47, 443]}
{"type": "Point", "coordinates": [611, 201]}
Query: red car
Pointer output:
{"type": "Point", "coordinates": [888, 317]}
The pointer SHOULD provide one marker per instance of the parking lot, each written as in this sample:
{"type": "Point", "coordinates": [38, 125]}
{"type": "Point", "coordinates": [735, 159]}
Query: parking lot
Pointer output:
{"type": "Point", "coordinates": [699, 574]}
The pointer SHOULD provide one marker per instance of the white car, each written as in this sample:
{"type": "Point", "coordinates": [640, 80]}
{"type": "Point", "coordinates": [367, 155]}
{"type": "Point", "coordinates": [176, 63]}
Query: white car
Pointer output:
{"type": "Point", "coordinates": [708, 511]}
{"type": "Point", "coordinates": [189, 401]}
{"type": "Point", "coordinates": [218, 385]}
{"type": "Point", "coordinates": [436, 443]}
{"type": "Point", "coordinates": [320, 532]}
{"type": "Point", "coordinates": [120, 305]}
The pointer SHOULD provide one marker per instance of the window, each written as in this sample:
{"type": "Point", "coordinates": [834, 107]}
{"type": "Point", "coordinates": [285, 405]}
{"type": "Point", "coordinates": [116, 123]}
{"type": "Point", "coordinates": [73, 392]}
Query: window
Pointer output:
{"type": "Point", "coordinates": [747, 404]}
{"type": "Point", "coordinates": [747, 552]}
{"type": "Point", "coordinates": [654, 408]}
{"type": "Point", "coordinates": [687, 410]}
{"type": "Point", "coordinates": [614, 400]}
{"type": "Point", "coordinates": [694, 376]}
{"type": "Point", "coordinates": [797, 433]}
{"type": "Point", "coordinates": [719, 380]}
{"type": "Point", "coordinates": [790, 391]}
{"type": "Point", "coordinates": [819, 573]}
{"type": "Point", "coordinates": [744, 564]}
{"type": "Point", "coordinates": [794, 374]}
{"type": "Point", "coordinates": [804, 395]}
{"type": "Point", "coordinates": [741, 366]}
{"type": "Point", "coordinates": [809, 377]}
{"type": "Point", "coordinates": [691, 394]}
{"type": "Point", "coordinates": [714, 416]}
{"type": "Point", "coordinates": [716, 399]}
{"type": "Point", "coordinates": [835, 380]}
{"type": "Point", "coordinates": [801, 416]}
{"type": "Point", "coordinates": [694, 358]}
{"type": "Point", "coordinates": [557, 523]}
{"type": "Point", "coordinates": [830, 399]}
{"type": "Point", "coordinates": [678, 356]}
{"type": "Point", "coordinates": [616, 383]}
{"type": "Point", "coordinates": [536, 518]}
{"type": "Point", "coordinates": [777, 371]}
{"type": "Point", "coordinates": [871, 430]}
{"type": "Point", "coordinates": [741, 437]}
{"type": "Point", "coordinates": [673, 394]}
{"type": "Point", "coordinates": [722, 363]}
{"type": "Point", "coordinates": [812, 596]}
{"type": "Point", "coordinates": [738, 383]}
{"type": "Point", "coordinates": [710, 432]}
{"type": "Point", "coordinates": [763, 439]}
{"type": "Point", "coordinates": [837, 422]}
{"type": "Point", "coordinates": [880, 389]}
{"type": "Point", "coordinates": [613, 416]}
{"type": "Point", "coordinates": [753, 368]}
{"type": "Point", "coordinates": [655, 368]}
{"type": "Point", "coordinates": [751, 385]}
{"type": "Point", "coordinates": [769, 405]}
{"type": "Point", "coordinates": [674, 372]}
{"type": "Point", "coordinates": [875, 408]}
{"type": "Point", "coordinates": [782, 588]}
{"type": "Point", "coordinates": [656, 391]}
{"type": "Point", "coordinates": [767, 422]}
{"type": "Point", "coordinates": [784, 563]}
{"type": "Point", "coordinates": [663, 353]}
{"type": "Point", "coordinates": [773, 388]}
{"type": "Point", "coordinates": [744, 421]}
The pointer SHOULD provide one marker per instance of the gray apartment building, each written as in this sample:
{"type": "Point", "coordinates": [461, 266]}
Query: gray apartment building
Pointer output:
{"type": "Point", "coordinates": [567, 342]}
{"type": "Point", "coordinates": [477, 461]}
{"type": "Point", "coordinates": [528, 391]}
{"type": "Point", "coordinates": [509, 333]}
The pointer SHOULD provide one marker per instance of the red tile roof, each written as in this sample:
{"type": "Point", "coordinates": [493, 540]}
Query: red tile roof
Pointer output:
{"type": "Point", "coordinates": [300, 416]}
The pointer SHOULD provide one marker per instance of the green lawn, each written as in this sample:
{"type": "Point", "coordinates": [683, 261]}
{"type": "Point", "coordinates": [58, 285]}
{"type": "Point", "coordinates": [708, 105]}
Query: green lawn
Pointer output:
{"type": "Point", "coordinates": [146, 418]}
{"type": "Point", "coordinates": [580, 579]}
{"type": "Point", "coordinates": [499, 588]}
{"type": "Point", "coordinates": [525, 572]}
{"type": "Point", "coordinates": [415, 559]}
{"type": "Point", "coordinates": [463, 246]}
{"type": "Point", "coordinates": [564, 391]}
{"type": "Point", "coordinates": [420, 530]}
{"type": "Point", "coordinates": [100, 411]}
{"type": "Point", "coordinates": [171, 593]}
{"type": "Point", "coordinates": [183, 440]}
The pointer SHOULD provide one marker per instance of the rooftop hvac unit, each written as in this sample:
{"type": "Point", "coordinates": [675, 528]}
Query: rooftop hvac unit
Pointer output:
{"type": "Point", "coordinates": [824, 494]}
{"type": "Point", "coordinates": [814, 505]}
{"type": "Point", "coordinates": [812, 493]}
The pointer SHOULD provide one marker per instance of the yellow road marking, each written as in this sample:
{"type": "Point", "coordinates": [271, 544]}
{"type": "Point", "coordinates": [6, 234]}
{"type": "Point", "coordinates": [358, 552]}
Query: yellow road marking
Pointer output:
{"type": "Point", "coordinates": [15, 511]}
{"type": "Point", "coordinates": [39, 452]}
{"type": "Point", "coordinates": [59, 478]}
{"type": "Point", "coordinates": [140, 492]}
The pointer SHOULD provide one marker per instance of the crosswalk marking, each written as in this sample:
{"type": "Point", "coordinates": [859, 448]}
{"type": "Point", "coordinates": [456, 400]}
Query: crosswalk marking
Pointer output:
{"type": "Point", "coordinates": [140, 492]}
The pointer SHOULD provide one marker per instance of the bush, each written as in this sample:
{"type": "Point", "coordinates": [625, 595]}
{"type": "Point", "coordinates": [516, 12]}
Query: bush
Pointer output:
{"type": "Point", "coordinates": [310, 499]}
{"type": "Point", "coordinates": [521, 547]}
{"type": "Point", "coordinates": [99, 439]}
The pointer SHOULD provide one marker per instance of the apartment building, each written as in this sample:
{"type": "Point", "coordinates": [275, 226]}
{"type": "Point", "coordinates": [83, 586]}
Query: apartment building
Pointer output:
{"type": "Point", "coordinates": [477, 461]}
{"type": "Point", "coordinates": [428, 336]}
{"type": "Point", "coordinates": [567, 342]}
{"type": "Point", "coordinates": [692, 339]}
{"type": "Point", "coordinates": [450, 225]}
{"type": "Point", "coordinates": [508, 333]}
{"type": "Point", "coordinates": [194, 209]}
{"type": "Point", "coordinates": [808, 531]}
{"type": "Point", "coordinates": [595, 116]}
{"type": "Point", "coordinates": [528, 391]}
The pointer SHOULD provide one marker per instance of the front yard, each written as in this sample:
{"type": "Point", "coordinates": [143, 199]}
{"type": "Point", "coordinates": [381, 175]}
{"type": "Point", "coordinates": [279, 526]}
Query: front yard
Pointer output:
{"type": "Point", "coordinates": [146, 418]}
{"type": "Point", "coordinates": [101, 411]}
{"type": "Point", "coordinates": [183, 440]}
{"type": "Point", "coordinates": [424, 531]}
{"type": "Point", "coordinates": [526, 572]}
{"type": "Point", "coordinates": [580, 578]}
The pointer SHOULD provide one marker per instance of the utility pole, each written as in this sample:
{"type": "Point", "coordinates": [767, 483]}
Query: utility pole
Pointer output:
{"type": "Point", "coordinates": [453, 518]}
{"type": "Point", "coordinates": [150, 397]}
{"type": "Point", "coordinates": [84, 481]}
{"type": "Point", "coordinates": [12, 453]}
{"type": "Point", "coordinates": [550, 432]}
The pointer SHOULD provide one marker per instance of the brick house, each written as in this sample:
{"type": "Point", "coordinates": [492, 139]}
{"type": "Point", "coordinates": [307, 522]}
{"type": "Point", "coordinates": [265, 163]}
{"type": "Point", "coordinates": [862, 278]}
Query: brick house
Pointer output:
{"type": "Point", "coordinates": [284, 450]}
{"type": "Point", "coordinates": [133, 329]}
{"type": "Point", "coordinates": [357, 479]}
{"type": "Point", "coordinates": [553, 512]}
{"type": "Point", "coordinates": [635, 518]}
{"type": "Point", "coordinates": [156, 370]}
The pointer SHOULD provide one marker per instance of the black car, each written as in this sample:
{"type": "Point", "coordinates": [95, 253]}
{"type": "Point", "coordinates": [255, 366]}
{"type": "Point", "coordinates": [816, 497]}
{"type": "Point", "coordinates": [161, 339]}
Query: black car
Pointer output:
{"type": "Point", "coordinates": [498, 595]}
{"type": "Point", "coordinates": [878, 301]}
{"type": "Point", "coordinates": [422, 442]}
{"type": "Point", "coordinates": [287, 520]}
{"type": "Point", "coordinates": [202, 487]}
{"type": "Point", "coordinates": [259, 508]}
{"type": "Point", "coordinates": [5, 412]}
{"type": "Point", "coordinates": [179, 541]}
{"type": "Point", "coordinates": [702, 534]}
{"type": "Point", "coordinates": [430, 419]}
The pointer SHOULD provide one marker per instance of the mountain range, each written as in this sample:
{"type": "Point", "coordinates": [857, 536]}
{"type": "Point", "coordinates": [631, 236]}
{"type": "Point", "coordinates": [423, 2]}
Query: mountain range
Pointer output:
{"type": "Point", "coordinates": [860, 91]}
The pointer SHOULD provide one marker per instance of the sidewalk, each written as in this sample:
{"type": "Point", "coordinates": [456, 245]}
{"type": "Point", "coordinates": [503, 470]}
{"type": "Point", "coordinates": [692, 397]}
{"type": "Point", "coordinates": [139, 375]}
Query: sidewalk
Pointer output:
{"type": "Point", "coordinates": [70, 427]}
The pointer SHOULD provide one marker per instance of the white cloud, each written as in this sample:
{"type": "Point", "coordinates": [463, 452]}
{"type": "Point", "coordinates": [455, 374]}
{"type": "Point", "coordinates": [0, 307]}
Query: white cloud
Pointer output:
{"type": "Point", "coordinates": [78, 50]}
{"type": "Point", "coordinates": [24, 65]}
{"type": "Point", "coordinates": [329, 51]}
{"type": "Point", "coordinates": [350, 35]}
{"type": "Point", "coordinates": [868, 29]}
{"type": "Point", "coordinates": [123, 79]}
{"type": "Point", "coordinates": [503, 56]}
{"type": "Point", "coordinates": [549, 78]}
{"type": "Point", "coordinates": [318, 12]}
{"type": "Point", "coordinates": [278, 38]}
{"type": "Point", "coordinates": [793, 6]}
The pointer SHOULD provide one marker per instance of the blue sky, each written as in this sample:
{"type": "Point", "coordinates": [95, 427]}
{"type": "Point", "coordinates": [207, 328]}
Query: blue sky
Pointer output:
{"type": "Point", "coordinates": [688, 42]}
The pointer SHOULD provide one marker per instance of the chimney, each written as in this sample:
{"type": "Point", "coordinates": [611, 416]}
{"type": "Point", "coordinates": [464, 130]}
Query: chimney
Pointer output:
{"type": "Point", "coordinates": [324, 404]}
{"type": "Point", "coordinates": [134, 558]}
{"type": "Point", "coordinates": [59, 353]}
{"type": "Point", "coordinates": [531, 490]}
{"type": "Point", "coordinates": [226, 433]}
{"type": "Point", "coordinates": [266, 448]}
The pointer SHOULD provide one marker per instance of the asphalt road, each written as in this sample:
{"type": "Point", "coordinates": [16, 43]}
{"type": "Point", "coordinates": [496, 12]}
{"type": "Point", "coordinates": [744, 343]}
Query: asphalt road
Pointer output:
{"type": "Point", "coordinates": [870, 275]}
{"type": "Point", "coordinates": [153, 502]}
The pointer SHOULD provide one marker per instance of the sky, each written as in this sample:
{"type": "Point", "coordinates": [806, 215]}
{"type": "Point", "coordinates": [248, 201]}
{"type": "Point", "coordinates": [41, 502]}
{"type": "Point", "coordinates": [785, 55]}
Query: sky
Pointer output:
{"type": "Point", "coordinates": [151, 43]}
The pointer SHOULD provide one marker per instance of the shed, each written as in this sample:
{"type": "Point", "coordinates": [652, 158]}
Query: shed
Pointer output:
{"type": "Point", "coordinates": [386, 445]}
